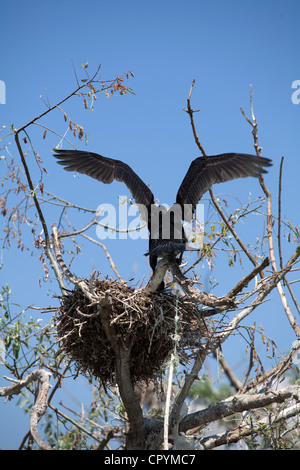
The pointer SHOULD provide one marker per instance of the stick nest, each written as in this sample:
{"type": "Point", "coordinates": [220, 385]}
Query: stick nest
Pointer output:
{"type": "Point", "coordinates": [150, 323]}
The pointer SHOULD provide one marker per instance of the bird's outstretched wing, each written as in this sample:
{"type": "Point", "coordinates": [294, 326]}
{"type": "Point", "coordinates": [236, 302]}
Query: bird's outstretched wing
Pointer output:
{"type": "Point", "coordinates": [204, 172]}
{"type": "Point", "coordinates": [107, 170]}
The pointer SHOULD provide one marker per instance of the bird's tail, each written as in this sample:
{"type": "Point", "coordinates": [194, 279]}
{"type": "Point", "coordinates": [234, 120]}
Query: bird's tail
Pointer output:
{"type": "Point", "coordinates": [169, 246]}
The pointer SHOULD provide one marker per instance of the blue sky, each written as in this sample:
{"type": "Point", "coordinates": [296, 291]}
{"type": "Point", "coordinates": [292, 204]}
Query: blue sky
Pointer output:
{"type": "Point", "coordinates": [225, 46]}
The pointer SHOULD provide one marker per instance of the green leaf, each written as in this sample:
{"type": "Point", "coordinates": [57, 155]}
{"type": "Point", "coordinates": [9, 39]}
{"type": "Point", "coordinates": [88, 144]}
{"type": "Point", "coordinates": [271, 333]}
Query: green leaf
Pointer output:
{"type": "Point", "coordinates": [130, 90]}
{"type": "Point", "coordinates": [16, 349]}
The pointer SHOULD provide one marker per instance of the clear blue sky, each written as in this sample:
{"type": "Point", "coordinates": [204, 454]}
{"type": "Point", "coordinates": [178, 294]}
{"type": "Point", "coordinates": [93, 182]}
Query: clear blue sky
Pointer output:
{"type": "Point", "coordinates": [225, 46]}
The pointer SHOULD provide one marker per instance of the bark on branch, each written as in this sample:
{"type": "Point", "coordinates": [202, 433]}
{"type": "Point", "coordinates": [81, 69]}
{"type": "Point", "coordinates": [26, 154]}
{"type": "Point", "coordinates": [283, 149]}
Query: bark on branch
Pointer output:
{"type": "Point", "coordinates": [237, 404]}
{"type": "Point", "coordinates": [41, 402]}
{"type": "Point", "coordinates": [136, 434]}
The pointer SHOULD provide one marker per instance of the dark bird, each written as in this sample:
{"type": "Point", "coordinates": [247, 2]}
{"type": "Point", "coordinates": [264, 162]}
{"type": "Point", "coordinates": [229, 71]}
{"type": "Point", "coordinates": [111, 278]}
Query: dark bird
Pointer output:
{"type": "Point", "coordinates": [203, 173]}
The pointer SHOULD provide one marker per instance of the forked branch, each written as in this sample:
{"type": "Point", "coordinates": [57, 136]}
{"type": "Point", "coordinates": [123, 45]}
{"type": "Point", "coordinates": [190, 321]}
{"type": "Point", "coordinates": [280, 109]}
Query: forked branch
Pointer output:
{"type": "Point", "coordinates": [40, 406]}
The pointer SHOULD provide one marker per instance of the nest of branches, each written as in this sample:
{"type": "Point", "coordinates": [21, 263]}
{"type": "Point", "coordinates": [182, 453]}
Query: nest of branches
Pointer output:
{"type": "Point", "coordinates": [150, 324]}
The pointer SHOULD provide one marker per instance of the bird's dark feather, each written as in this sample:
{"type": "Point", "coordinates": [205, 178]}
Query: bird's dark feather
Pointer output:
{"type": "Point", "coordinates": [204, 172]}
{"type": "Point", "coordinates": [105, 170]}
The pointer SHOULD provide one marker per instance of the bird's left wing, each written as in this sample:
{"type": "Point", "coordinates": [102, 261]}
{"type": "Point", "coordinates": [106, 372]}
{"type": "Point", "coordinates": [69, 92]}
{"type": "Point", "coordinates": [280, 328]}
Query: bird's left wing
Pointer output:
{"type": "Point", "coordinates": [204, 172]}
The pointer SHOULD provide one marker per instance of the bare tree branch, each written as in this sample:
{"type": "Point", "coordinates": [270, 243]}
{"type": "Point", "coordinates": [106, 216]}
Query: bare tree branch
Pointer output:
{"type": "Point", "coordinates": [284, 302]}
{"type": "Point", "coordinates": [80, 87]}
{"type": "Point", "coordinates": [279, 213]}
{"type": "Point", "coordinates": [245, 430]}
{"type": "Point", "coordinates": [265, 290]}
{"type": "Point", "coordinates": [237, 404]}
{"type": "Point", "coordinates": [113, 266]}
{"type": "Point", "coordinates": [73, 279]}
{"type": "Point", "coordinates": [191, 112]}
{"type": "Point", "coordinates": [40, 406]}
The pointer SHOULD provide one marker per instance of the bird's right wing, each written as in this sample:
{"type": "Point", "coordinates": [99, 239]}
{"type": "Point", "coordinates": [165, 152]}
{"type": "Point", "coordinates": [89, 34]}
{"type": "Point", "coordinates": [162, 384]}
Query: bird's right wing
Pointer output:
{"type": "Point", "coordinates": [107, 170]}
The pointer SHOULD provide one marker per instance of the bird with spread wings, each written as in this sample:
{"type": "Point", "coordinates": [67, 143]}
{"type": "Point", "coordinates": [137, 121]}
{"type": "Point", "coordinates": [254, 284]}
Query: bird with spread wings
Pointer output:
{"type": "Point", "coordinates": [202, 174]}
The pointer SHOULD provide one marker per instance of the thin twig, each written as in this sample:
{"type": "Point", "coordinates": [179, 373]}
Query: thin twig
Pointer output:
{"type": "Point", "coordinates": [245, 281]}
{"type": "Point", "coordinates": [279, 214]}
{"type": "Point", "coordinates": [292, 294]}
{"type": "Point", "coordinates": [81, 230]}
{"type": "Point", "coordinates": [65, 270]}
{"type": "Point", "coordinates": [63, 137]}
{"type": "Point", "coordinates": [282, 295]}
{"type": "Point", "coordinates": [232, 230]}
{"type": "Point", "coordinates": [265, 290]}
{"type": "Point", "coordinates": [191, 112]}
{"type": "Point", "coordinates": [47, 248]}
{"type": "Point", "coordinates": [113, 266]}
{"type": "Point", "coordinates": [234, 380]}
{"type": "Point", "coordinates": [251, 361]}
{"type": "Point", "coordinates": [37, 118]}
{"type": "Point", "coordinates": [75, 423]}
{"type": "Point", "coordinates": [167, 403]}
